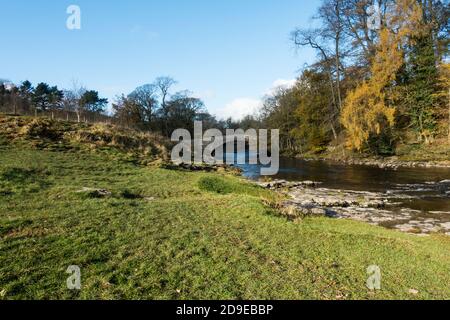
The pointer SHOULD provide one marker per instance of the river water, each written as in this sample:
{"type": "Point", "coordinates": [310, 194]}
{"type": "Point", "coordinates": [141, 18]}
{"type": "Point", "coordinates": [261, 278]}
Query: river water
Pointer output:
{"type": "Point", "coordinates": [422, 192]}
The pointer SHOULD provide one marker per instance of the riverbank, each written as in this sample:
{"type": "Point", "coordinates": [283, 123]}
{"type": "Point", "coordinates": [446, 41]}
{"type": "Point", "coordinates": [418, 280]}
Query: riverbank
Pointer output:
{"type": "Point", "coordinates": [386, 163]}
{"type": "Point", "coordinates": [309, 198]}
{"type": "Point", "coordinates": [436, 155]}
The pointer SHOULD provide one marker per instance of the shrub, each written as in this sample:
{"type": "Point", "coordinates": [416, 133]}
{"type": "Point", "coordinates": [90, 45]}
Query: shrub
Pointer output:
{"type": "Point", "coordinates": [216, 185]}
{"type": "Point", "coordinates": [41, 128]}
{"type": "Point", "coordinates": [129, 195]}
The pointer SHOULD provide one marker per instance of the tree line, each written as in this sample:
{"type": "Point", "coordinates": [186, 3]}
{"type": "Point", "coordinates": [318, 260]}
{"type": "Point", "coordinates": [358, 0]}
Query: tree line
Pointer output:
{"type": "Point", "coordinates": [381, 78]}
{"type": "Point", "coordinates": [157, 108]}
{"type": "Point", "coordinates": [26, 99]}
{"type": "Point", "coordinates": [150, 107]}
{"type": "Point", "coordinates": [375, 83]}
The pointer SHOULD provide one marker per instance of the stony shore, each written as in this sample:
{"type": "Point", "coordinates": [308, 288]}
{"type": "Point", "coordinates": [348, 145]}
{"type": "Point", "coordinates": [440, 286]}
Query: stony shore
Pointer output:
{"type": "Point", "coordinates": [385, 163]}
{"type": "Point", "coordinates": [395, 164]}
{"type": "Point", "coordinates": [375, 208]}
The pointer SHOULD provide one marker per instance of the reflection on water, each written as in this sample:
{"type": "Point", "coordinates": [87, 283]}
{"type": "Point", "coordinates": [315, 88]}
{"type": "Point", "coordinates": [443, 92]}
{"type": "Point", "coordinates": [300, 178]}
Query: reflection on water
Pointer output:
{"type": "Point", "coordinates": [424, 184]}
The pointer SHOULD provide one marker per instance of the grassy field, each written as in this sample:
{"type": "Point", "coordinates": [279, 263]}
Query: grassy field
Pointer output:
{"type": "Point", "coordinates": [170, 234]}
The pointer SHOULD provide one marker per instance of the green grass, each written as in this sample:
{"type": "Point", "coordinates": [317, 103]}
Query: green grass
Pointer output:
{"type": "Point", "coordinates": [173, 234]}
{"type": "Point", "coordinates": [162, 234]}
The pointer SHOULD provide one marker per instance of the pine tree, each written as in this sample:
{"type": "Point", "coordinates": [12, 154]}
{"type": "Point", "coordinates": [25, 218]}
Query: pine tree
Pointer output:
{"type": "Point", "coordinates": [422, 87]}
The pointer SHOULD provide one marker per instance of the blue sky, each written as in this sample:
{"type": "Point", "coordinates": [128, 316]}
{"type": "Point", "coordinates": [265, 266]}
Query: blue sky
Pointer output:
{"type": "Point", "coordinates": [228, 52]}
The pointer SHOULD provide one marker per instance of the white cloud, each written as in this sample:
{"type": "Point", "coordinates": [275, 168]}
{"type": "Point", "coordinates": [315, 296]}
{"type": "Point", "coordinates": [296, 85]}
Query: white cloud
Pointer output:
{"type": "Point", "coordinates": [284, 83]}
{"type": "Point", "coordinates": [281, 83]}
{"type": "Point", "coordinates": [239, 108]}
{"type": "Point", "coordinates": [208, 94]}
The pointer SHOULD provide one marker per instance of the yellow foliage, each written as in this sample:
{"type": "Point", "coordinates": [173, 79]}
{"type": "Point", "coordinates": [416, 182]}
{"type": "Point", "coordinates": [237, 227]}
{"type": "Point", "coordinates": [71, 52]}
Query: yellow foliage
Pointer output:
{"type": "Point", "coordinates": [444, 93]}
{"type": "Point", "coordinates": [444, 76]}
{"type": "Point", "coordinates": [366, 110]}
{"type": "Point", "coordinates": [365, 113]}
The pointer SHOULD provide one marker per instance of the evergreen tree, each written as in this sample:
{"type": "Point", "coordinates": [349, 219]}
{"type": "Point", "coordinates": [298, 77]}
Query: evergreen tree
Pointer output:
{"type": "Point", "coordinates": [421, 88]}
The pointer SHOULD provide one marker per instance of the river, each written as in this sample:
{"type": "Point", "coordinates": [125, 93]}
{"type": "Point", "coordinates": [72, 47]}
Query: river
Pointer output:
{"type": "Point", "coordinates": [416, 197]}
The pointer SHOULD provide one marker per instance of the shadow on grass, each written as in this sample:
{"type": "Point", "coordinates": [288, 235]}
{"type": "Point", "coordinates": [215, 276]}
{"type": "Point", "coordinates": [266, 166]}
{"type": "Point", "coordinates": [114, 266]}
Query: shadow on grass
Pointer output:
{"type": "Point", "coordinates": [19, 180]}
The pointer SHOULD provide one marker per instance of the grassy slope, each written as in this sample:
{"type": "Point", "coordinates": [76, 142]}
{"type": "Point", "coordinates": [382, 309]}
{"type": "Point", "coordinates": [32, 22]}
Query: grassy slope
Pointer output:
{"type": "Point", "coordinates": [186, 243]}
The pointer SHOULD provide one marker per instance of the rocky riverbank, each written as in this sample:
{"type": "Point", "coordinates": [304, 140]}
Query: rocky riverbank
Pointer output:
{"type": "Point", "coordinates": [394, 163]}
{"type": "Point", "coordinates": [376, 208]}
{"type": "Point", "coordinates": [386, 163]}
{"type": "Point", "coordinates": [434, 155]}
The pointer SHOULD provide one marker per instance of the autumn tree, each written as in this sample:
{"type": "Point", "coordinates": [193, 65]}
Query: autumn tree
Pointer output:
{"type": "Point", "coordinates": [369, 110]}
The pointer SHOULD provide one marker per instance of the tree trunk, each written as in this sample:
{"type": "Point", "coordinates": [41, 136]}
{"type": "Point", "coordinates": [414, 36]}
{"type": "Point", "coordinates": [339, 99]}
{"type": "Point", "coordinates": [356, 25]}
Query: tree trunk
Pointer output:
{"type": "Point", "coordinates": [338, 54]}
{"type": "Point", "coordinates": [421, 135]}
{"type": "Point", "coordinates": [449, 115]}
{"type": "Point", "coordinates": [334, 106]}
{"type": "Point", "coordinates": [334, 132]}
{"type": "Point", "coordinates": [431, 19]}
{"type": "Point", "coordinates": [338, 72]}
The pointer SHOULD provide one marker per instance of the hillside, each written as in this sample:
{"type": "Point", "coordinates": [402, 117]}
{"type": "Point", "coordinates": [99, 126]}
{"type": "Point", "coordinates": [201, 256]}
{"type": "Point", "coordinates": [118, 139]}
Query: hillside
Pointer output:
{"type": "Point", "coordinates": [97, 197]}
{"type": "Point", "coordinates": [46, 134]}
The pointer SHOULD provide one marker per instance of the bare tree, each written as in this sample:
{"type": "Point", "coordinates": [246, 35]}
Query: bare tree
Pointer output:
{"type": "Point", "coordinates": [313, 39]}
{"type": "Point", "coordinates": [164, 84]}
{"type": "Point", "coordinates": [14, 91]}
{"type": "Point", "coordinates": [11, 93]}
{"type": "Point", "coordinates": [146, 98]}
{"type": "Point", "coordinates": [333, 32]}
{"type": "Point", "coordinates": [75, 94]}
{"type": "Point", "coordinates": [69, 102]}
